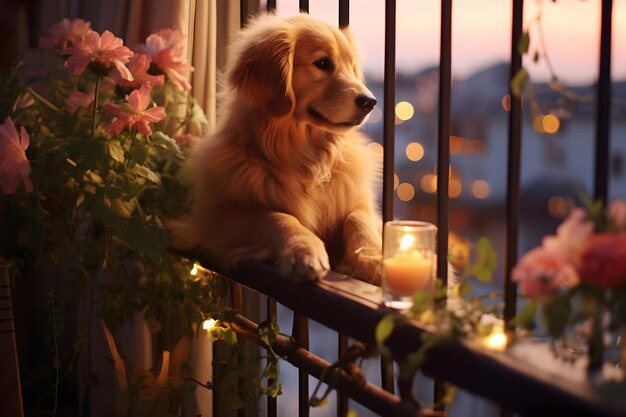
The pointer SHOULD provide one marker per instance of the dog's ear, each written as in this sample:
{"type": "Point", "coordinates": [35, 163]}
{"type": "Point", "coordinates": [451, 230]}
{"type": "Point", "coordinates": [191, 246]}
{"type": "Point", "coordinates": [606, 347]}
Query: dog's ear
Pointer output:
{"type": "Point", "coordinates": [263, 69]}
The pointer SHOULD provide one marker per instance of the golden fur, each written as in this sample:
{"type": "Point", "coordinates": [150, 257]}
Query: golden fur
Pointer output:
{"type": "Point", "coordinates": [287, 177]}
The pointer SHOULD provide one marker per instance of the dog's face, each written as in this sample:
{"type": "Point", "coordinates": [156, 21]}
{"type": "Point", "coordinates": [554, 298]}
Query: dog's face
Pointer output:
{"type": "Point", "coordinates": [302, 68]}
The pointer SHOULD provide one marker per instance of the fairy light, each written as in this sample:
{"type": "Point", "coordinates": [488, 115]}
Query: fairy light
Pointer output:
{"type": "Point", "coordinates": [209, 324]}
{"type": "Point", "coordinates": [194, 270]}
{"type": "Point", "coordinates": [497, 340]}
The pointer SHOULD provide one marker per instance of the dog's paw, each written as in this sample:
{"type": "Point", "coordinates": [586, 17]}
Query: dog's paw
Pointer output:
{"type": "Point", "coordinates": [363, 268]}
{"type": "Point", "coordinates": [305, 259]}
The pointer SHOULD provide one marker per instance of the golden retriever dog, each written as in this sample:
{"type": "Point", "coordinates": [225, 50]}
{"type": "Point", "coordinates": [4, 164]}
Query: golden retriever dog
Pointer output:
{"type": "Point", "coordinates": [286, 177]}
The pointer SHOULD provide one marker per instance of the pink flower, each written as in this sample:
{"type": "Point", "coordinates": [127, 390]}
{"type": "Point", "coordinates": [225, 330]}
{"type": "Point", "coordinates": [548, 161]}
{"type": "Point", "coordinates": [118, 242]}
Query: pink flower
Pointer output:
{"type": "Point", "coordinates": [14, 166]}
{"type": "Point", "coordinates": [138, 67]}
{"type": "Point", "coordinates": [103, 53]}
{"type": "Point", "coordinates": [541, 273]}
{"type": "Point", "coordinates": [135, 113]}
{"type": "Point", "coordinates": [603, 261]}
{"type": "Point", "coordinates": [165, 48]}
{"type": "Point", "coordinates": [187, 138]}
{"type": "Point", "coordinates": [571, 236]}
{"type": "Point", "coordinates": [65, 32]}
{"type": "Point", "coordinates": [617, 213]}
{"type": "Point", "coordinates": [78, 100]}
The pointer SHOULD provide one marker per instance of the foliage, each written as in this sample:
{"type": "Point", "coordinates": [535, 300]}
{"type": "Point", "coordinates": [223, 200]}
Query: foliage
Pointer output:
{"type": "Point", "coordinates": [464, 317]}
{"type": "Point", "coordinates": [100, 143]}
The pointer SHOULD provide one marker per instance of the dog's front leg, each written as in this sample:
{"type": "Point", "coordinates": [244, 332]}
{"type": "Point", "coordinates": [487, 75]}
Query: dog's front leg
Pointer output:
{"type": "Point", "coordinates": [362, 230]}
{"type": "Point", "coordinates": [246, 233]}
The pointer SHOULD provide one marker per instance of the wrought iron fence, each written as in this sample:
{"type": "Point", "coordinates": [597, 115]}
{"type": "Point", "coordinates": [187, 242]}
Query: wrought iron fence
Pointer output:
{"type": "Point", "coordinates": [338, 304]}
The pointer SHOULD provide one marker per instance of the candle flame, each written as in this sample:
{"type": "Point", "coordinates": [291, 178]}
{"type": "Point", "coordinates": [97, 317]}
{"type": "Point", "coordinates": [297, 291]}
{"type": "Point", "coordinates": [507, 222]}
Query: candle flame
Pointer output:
{"type": "Point", "coordinates": [407, 242]}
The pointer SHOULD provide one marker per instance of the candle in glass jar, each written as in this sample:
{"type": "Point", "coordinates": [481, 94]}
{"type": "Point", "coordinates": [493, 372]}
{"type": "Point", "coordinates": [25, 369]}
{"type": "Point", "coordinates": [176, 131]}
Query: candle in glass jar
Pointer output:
{"type": "Point", "coordinates": [408, 270]}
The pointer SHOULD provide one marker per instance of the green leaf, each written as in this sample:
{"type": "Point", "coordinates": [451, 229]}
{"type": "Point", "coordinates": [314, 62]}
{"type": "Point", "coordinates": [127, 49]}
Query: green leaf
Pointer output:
{"type": "Point", "coordinates": [518, 82]}
{"type": "Point", "coordinates": [526, 317]}
{"type": "Point", "coordinates": [486, 261]}
{"type": "Point", "coordinates": [121, 208]}
{"type": "Point", "coordinates": [524, 41]}
{"type": "Point", "coordinates": [148, 239]}
{"type": "Point", "coordinates": [160, 138]}
{"type": "Point", "coordinates": [114, 150]}
{"type": "Point", "coordinates": [139, 153]}
{"type": "Point", "coordinates": [555, 314]}
{"type": "Point", "coordinates": [384, 328]}
{"type": "Point", "coordinates": [421, 301]}
{"type": "Point", "coordinates": [146, 173]}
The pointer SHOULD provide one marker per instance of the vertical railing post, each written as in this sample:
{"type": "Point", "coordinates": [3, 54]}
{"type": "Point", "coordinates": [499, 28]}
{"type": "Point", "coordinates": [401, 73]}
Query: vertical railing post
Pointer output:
{"type": "Point", "coordinates": [603, 106]}
{"type": "Point", "coordinates": [272, 406]}
{"type": "Point", "coordinates": [443, 159]}
{"type": "Point", "coordinates": [443, 149]}
{"type": "Point", "coordinates": [514, 168]}
{"type": "Point", "coordinates": [304, 6]}
{"type": "Point", "coordinates": [301, 335]}
{"type": "Point", "coordinates": [271, 5]}
{"type": "Point", "coordinates": [389, 119]}
{"type": "Point", "coordinates": [344, 13]}
{"type": "Point", "coordinates": [342, 340]}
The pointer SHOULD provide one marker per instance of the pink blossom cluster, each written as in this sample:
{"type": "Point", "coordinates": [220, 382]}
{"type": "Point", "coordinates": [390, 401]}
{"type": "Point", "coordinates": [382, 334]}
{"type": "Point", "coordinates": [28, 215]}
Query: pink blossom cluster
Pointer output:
{"type": "Point", "coordinates": [576, 252]}
{"type": "Point", "coordinates": [14, 166]}
{"type": "Point", "coordinates": [162, 52]}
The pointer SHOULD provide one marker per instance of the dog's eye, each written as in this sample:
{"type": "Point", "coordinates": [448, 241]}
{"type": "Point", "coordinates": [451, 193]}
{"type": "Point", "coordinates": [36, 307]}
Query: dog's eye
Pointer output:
{"type": "Point", "coordinates": [324, 64]}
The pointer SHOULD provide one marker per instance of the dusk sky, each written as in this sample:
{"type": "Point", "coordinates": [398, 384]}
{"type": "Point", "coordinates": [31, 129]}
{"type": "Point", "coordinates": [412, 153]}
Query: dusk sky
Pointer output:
{"type": "Point", "coordinates": [481, 34]}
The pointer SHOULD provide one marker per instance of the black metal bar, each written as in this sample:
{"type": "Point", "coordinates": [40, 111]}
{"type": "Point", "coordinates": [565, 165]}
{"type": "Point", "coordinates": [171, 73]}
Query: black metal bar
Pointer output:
{"type": "Point", "coordinates": [304, 6]}
{"type": "Point", "coordinates": [342, 399]}
{"type": "Point", "coordinates": [443, 159]}
{"type": "Point", "coordinates": [272, 405]}
{"type": "Point", "coordinates": [372, 397]}
{"type": "Point", "coordinates": [603, 106]}
{"type": "Point", "coordinates": [389, 99]}
{"type": "Point", "coordinates": [243, 12]}
{"type": "Point", "coordinates": [271, 5]}
{"type": "Point", "coordinates": [514, 168]}
{"type": "Point", "coordinates": [493, 375]}
{"type": "Point", "coordinates": [344, 13]}
{"type": "Point", "coordinates": [301, 335]}
{"type": "Point", "coordinates": [443, 149]}
{"type": "Point", "coordinates": [389, 119]}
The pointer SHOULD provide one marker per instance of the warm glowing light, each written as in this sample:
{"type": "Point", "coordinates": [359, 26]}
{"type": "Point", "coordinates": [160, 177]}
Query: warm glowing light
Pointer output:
{"type": "Point", "coordinates": [506, 102]}
{"type": "Point", "coordinates": [414, 151]}
{"type": "Point", "coordinates": [194, 270]}
{"type": "Point", "coordinates": [454, 188]}
{"type": "Point", "coordinates": [407, 242]}
{"type": "Point", "coordinates": [550, 123]}
{"type": "Point", "coordinates": [376, 148]}
{"type": "Point", "coordinates": [209, 324]}
{"type": "Point", "coordinates": [497, 340]}
{"type": "Point", "coordinates": [396, 182]}
{"type": "Point", "coordinates": [404, 110]}
{"type": "Point", "coordinates": [559, 207]}
{"type": "Point", "coordinates": [480, 189]}
{"type": "Point", "coordinates": [429, 183]}
{"type": "Point", "coordinates": [405, 191]}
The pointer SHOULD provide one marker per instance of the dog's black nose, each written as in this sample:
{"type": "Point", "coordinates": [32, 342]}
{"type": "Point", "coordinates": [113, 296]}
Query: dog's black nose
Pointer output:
{"type": "Point", "coordinates": [366, 102]}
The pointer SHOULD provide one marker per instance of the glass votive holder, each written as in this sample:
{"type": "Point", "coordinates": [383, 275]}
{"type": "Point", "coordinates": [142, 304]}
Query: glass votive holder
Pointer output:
{"type": "Point", "coordinates": [408, 261]}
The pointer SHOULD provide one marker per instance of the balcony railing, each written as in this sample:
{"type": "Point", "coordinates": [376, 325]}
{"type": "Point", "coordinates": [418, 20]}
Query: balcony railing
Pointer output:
{"type": "Point", "coordinates": [352, 308]}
